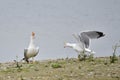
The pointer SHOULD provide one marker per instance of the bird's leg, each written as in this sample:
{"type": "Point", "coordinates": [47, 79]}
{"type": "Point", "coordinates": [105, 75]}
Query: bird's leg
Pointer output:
{"type": "Point", "coordinates": [27, 60]}
{"type": "Point", "coordinates": [79, 56]}
{"type": "Point", "coordinates": [84, 55]}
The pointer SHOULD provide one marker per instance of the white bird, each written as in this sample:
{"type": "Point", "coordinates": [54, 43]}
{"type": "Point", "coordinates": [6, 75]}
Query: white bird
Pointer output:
{"type": "Point", "coordinates": [83, 41]}
{"type": "Point", "coordinates": [31, 51]}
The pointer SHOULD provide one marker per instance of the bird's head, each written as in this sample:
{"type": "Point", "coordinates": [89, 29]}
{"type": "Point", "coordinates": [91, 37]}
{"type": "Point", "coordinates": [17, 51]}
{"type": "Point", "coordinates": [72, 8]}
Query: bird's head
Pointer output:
{"type": "Point", "coordinates": [33, 35]}
{"type": "Point", "coordinates": [66, 44]}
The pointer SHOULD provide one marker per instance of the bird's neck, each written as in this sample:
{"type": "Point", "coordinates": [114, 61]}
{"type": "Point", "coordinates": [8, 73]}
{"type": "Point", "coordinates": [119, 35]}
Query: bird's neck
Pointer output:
{"type": "Point", "coordinates": [31, 45]}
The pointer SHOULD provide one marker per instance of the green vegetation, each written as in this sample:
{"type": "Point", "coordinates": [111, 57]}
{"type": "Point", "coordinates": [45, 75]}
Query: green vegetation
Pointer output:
{"type": "Point", "coordinates": [62, 69]}
{"type": "Point", "coordinates": [83, 57]}
{"type": "Point", "coordinates": [56, 65]}
{"type": "Point", "coordinates": [114, 58]}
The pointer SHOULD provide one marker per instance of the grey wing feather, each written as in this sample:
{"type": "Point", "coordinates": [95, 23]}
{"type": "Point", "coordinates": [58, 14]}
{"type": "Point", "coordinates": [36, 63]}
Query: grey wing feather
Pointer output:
{"type": "Point", "coordinates": [85, 40]}
{"type": "Point", "coordinates": [86, 36]}
{"type": "Point", "coordinates": [93, 34]}
{"type": "Point", "coordinates": [25, 53]}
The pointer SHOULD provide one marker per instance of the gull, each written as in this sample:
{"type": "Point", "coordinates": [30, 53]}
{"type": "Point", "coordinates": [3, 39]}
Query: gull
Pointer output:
{"type": "Point", "coordinates": [83, 41]}
{"type": "Point", "coordinates": [31, 51]}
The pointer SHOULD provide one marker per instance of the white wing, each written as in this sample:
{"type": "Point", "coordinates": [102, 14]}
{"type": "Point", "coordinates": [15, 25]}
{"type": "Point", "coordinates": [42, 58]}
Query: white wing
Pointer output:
{"type": "Point", "coordinates": [80, 43]}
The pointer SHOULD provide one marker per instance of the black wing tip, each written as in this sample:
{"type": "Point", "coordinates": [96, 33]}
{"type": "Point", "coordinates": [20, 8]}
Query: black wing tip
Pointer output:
{"type": "Point", "coordinates": [101, 34]}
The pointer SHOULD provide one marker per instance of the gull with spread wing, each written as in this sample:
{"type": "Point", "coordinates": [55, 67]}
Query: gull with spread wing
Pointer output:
{"type": "Point", "coordinates": [83, 41]}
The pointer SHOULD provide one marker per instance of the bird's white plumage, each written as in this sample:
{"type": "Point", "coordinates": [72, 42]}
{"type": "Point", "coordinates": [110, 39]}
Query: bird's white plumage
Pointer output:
{"type": "Point", "coordinates": [31, 51]}
{"type": "Point", "coordinates": [83, 41]}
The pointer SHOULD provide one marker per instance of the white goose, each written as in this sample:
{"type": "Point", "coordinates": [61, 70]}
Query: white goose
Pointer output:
{"type": "Point", "coordinates": [31, 51]}
{"type": "Point", "coordinates": [83, 41]}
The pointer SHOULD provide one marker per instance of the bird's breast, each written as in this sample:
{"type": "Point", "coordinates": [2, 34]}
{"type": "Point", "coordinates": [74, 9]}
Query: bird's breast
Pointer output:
{"type": "Point", "coordinates": [31, 52]}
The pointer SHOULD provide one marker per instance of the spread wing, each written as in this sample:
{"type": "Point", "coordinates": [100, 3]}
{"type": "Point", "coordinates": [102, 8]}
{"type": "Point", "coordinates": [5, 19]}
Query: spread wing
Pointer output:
{"type": "Point", "coordinates": [93, 34]}
{"type": "Point", "coordinates": [86, 36]}
{"type": "Point", "coordinates": [78, 38]}
{"type": "Point", "coordinates": [85, 40]}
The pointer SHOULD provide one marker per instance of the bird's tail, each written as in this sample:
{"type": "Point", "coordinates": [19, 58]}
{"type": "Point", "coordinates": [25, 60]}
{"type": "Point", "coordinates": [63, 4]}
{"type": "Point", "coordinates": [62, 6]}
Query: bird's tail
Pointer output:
{"type": "Point", "coordinates": [90, 51]}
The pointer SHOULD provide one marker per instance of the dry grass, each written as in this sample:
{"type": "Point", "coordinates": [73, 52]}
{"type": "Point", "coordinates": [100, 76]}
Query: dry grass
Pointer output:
{"type": "Point", "coordinates": [61, 69]}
